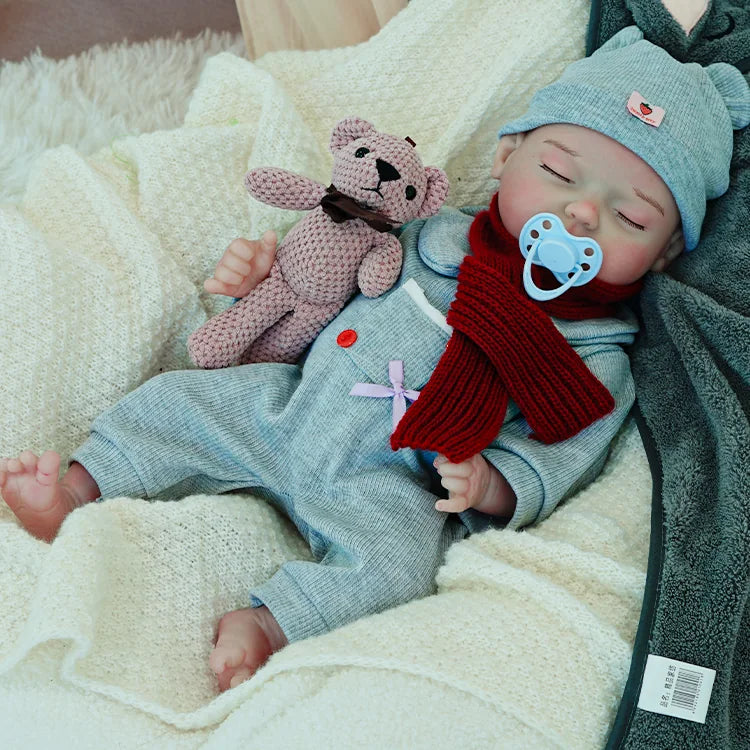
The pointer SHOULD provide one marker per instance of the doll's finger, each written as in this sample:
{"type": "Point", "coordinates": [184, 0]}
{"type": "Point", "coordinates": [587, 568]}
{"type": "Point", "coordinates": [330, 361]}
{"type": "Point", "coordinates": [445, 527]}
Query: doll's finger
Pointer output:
{"type": "Point", "coordinates": [227, 275]}
{"type": "Point", "coordinates": [448, 468]}
{"type": "Point", "coordinates": [265, 255]}
{"type": "Point", "coordinates": [223, 657]}
{"type": "Point", "coordinates": [217, 661]}
{"type": "Point", "coordinates": [240, 676]}
{"type": "Point", "coordinates": [464, 469]}
{"type": "Point", "coordinates": [242, 249]}
{"type": "Point", "coordinates": [457, 485]}
{"type": "Point", "coordinates": [268, 240]}
{"type": "Point", "coordinates": [442, 464]}
{"type": "Point", "coordinates": [28, 459]}
{"type": "Point", "coordinates": [231, 262]}
{"type": "Point", "coordinates": [48, 468]}
{"type": "Point", "coordinates": [213, 286]}
{"type": "Point", "coordinates": [457, 504]}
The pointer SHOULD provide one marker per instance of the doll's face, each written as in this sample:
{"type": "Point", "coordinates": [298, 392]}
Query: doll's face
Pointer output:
{"type": "Point", "coordinates": [598, 188]}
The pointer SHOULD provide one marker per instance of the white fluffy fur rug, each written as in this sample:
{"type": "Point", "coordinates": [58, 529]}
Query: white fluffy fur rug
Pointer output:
{"type": "Point", "coordinates": [88, 100]}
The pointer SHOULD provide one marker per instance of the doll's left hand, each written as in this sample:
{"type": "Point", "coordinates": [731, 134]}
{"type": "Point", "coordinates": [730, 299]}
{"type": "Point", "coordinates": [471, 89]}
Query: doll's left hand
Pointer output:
{"type": "Point", "coordinates": [467, 483]}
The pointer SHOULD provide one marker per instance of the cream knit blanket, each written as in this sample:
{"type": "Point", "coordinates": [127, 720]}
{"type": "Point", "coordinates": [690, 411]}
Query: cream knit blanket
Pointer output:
{"type": "Point", "coordinates": [106, 632]}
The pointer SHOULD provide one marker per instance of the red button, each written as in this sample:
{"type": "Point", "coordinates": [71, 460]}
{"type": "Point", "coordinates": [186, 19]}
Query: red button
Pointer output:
{"type": "Point", "coordinates": [346, 338]}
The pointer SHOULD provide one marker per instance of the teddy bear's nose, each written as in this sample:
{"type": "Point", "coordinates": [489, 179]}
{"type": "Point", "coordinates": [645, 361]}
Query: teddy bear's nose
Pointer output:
{"type": "Point", "coordinates": [386, 171]}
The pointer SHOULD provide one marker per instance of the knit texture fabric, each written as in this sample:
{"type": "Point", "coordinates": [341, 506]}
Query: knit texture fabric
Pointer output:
{"type": "Point", "coordinates": [505, 344]}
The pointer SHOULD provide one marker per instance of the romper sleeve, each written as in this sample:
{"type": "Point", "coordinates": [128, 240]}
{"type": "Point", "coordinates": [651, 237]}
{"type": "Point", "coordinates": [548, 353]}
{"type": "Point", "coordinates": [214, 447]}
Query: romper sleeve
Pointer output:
{"type": "Point", "coordinates": [542, 475]}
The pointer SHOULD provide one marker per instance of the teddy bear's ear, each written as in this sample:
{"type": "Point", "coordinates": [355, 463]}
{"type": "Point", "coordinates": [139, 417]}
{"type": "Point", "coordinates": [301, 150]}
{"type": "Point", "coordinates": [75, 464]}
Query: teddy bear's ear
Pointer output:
{"type": "Point", "coordinates": [349, 130]}
{"type": "Point", "coordinates": [437, 192]}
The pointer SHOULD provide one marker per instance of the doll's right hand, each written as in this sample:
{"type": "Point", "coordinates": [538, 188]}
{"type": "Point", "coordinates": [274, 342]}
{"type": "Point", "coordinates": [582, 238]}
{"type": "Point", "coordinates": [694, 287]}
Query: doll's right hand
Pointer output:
{"type": "Point", "coordinates": [243, 266]}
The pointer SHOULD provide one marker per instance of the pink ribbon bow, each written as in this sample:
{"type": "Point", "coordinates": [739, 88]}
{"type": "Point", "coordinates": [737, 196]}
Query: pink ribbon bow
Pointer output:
{"type": "Point", "coordinates": [398, 392]}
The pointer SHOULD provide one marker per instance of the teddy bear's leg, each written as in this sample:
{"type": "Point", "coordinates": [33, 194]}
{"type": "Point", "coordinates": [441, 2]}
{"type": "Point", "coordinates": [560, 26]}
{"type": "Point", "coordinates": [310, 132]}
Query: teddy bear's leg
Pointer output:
{"type": "Point", "coordinates": [286, 340]}
{"type": "Point", "coordinates": [222, 340]}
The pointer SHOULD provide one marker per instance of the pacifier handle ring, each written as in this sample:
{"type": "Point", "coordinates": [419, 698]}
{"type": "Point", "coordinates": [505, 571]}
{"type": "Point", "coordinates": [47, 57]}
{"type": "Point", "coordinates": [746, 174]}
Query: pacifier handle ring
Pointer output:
{"type": "Point", "coordinates": [544, 295]}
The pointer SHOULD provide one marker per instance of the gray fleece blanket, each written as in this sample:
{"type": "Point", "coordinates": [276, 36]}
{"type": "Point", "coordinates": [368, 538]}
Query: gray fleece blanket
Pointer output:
{"type": "Point", "coordinates": [692, 370]}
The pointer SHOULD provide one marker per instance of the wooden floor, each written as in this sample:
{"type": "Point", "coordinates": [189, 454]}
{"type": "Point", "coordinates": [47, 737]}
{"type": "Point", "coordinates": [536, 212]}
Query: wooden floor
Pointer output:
{"type": "Point", "coordinates": [66, 27]}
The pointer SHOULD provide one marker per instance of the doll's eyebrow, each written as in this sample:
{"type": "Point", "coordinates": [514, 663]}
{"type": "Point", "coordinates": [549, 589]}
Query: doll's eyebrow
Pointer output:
{"type": "Point", "coordinates": [566, 149]}
{"type": "Point", "coordinates": [649, 199]}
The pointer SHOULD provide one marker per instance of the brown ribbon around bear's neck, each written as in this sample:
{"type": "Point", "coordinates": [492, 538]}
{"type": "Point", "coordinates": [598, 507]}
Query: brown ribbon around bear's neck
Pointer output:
{"type": "Point", "coordinates": [341, 207]}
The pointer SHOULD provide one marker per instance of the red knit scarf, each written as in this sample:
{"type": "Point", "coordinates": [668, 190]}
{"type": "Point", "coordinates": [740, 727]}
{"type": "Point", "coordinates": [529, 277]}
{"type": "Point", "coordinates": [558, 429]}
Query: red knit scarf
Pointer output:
{"type": "Point", "coordinates": [503, 346]}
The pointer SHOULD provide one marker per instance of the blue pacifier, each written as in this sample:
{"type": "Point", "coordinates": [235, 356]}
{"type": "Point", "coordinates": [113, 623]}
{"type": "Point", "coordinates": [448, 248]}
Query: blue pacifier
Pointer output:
{"type": "Point", "coordinates": [545, 242]}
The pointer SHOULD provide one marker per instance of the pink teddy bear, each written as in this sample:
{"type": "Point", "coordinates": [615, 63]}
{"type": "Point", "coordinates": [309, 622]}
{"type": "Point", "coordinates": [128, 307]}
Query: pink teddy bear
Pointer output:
{"type": "Point", "coordinates": [343, 243]}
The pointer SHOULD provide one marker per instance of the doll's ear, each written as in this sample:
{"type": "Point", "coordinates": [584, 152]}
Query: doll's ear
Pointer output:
{"type": "Point", "coordinates": [505, 147]}
{"type": "Point", "coordinates": [349, 130]}
{"type": "Point", "coordinates": [437, 192]}
{"type": "Point", "coordinates": [673, 248]}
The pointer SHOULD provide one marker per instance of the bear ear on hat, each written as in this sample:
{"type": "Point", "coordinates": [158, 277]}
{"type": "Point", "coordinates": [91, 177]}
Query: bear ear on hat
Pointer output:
{"type": "Point", "coordinates": [623, 38]}
{"type": "Point", "coordinates": [734, 90]}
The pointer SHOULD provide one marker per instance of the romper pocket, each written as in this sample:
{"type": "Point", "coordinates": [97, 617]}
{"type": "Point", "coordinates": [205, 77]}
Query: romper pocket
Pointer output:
{"type": "Point", "coordinates": [394, 327]}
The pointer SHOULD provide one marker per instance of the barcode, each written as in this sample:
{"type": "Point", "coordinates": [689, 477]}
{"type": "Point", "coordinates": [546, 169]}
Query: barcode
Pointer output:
{"type": "Point", "coordinates": [676, 688]}
{"type": "Point", "coordinates": [687, 687]}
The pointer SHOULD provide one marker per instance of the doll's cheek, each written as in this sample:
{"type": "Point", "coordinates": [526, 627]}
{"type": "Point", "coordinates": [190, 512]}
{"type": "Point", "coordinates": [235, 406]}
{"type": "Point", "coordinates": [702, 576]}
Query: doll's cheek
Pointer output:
{"type": "Point", "coordinates": [520, 196]}
{"type": "Point", "coordinates": [514, 210]}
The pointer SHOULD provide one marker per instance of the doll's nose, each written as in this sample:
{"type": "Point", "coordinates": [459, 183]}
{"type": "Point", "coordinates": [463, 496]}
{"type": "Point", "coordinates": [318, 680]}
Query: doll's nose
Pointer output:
{"type": "Point", "coordinates": [386, 171]}
{"type": "Point", "coordinates": [581, 215]}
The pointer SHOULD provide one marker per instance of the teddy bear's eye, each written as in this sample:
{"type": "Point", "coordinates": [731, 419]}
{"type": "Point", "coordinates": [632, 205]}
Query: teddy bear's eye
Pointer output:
{"type": "Point", "coordinates": [360, 152]}
{"type": "Point", "coordinates": [411, 192]}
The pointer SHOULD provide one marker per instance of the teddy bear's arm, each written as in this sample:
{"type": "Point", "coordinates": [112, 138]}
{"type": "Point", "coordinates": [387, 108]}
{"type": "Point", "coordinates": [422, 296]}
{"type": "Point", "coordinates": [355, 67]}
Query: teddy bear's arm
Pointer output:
{"type": "Point", "coordinates": [284, 189]}
{"type": "Point", "coordinates": [381, 266]}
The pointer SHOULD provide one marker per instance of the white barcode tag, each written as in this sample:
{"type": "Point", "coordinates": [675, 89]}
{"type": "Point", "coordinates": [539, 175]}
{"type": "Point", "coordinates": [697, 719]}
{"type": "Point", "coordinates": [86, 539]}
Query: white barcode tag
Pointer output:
{"type": "Point", "coordinates": [676, 688]}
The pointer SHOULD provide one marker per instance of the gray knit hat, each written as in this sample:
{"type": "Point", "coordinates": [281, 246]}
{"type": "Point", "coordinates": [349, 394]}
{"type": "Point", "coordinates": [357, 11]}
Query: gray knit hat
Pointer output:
{"type": "Point", "coordinates": [678, 117]}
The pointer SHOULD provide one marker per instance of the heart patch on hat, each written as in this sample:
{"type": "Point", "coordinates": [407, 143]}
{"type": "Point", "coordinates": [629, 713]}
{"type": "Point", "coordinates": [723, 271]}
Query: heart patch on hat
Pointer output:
{"type": "Point", "coordinates": [644, 110]}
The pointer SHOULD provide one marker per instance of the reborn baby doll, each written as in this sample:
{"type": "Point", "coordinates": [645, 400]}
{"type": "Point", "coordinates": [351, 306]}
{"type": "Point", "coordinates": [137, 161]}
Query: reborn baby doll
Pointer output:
{"type": "Point", "coordinates": [601, 179]}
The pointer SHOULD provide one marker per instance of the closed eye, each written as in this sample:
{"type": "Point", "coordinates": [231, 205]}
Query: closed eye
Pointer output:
{"type": "Point", "coordinates": [556, 174]}
{"type": "Point", "coordinates": [632, 223]}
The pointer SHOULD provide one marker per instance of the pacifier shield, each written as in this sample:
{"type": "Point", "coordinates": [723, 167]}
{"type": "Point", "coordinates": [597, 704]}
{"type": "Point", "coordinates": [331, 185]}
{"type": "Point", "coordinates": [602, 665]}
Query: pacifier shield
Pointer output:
{"type": "Point", "coordinates": [545, 242]}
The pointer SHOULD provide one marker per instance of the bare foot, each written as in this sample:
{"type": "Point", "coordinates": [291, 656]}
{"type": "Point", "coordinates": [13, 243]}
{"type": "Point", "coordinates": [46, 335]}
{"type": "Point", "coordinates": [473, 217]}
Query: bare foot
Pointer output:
{"type": "Point", "coordinates": [31, 489]}
{"type": "Point", "coordinates": [246, 638]}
